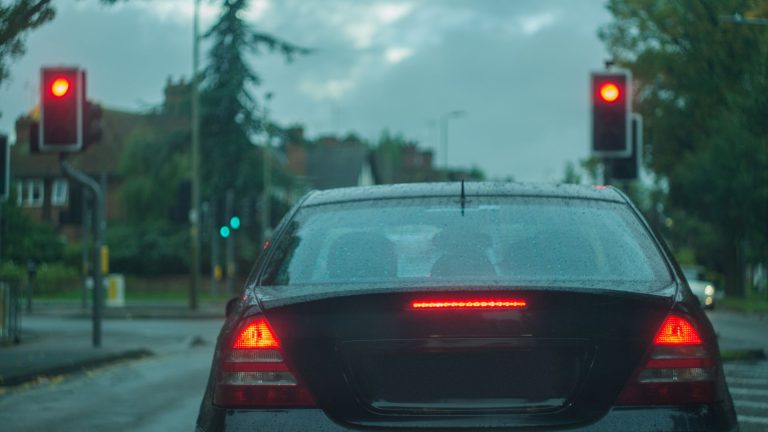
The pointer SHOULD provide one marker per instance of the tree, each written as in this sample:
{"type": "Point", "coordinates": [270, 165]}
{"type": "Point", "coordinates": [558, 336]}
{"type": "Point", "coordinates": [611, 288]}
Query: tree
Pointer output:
{"type": "Point", "coordinates": [388, 154]}
{"type": "Point", "coordinates": [230, 113]}
{"type": "Point", "coordinates": [147, 240]}
{"type": "Point", "coordinates": [700, 85]}
{"type": "Point", "coordinates": [17, 19]}
{"type": "Point", "coordinates": [153, 166]}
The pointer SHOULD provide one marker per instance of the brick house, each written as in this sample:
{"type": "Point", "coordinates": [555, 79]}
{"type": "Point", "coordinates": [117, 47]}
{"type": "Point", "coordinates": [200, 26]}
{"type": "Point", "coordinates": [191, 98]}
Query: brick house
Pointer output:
{"type": "Point", "coordinates": [41, 188]}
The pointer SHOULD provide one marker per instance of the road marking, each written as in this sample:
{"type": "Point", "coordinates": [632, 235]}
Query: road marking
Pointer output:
{"type": "Point", "coordinates": [743, 381]}
{"type": "Point", "coordinates": [752, 419]}
{"type": "Point", "coordinates": [740, 391]}
{"type": "Point", "coordinates": [750, 404]}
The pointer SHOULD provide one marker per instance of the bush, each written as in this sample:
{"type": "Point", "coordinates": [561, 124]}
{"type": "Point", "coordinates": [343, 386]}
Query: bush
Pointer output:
{"type": "Point", "coordinates": [73, 255]}
{"type": "Point", "coordinates": [155, 248]}
{"type": "Point", "coordinates": [25, 239]}
{"type": "Point", "coordinates": [54, 278]}
{"type": "Point", "coordinates": [14, 274]}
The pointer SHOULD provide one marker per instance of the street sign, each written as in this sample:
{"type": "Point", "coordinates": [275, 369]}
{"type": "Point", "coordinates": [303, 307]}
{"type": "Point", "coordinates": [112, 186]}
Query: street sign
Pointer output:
{"type": "Point", "coordinates": [611, 98]}
{"type": "Point", "coordinates": [62, 96]}
{"type": "Point", "coordinates": [629, 168]}
{"type": "Point", "coordinates": [5, 168]}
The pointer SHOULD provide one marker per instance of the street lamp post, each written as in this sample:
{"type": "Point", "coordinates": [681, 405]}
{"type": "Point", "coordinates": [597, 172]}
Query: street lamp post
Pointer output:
{"type": "Point", "coordinates": [444, 131]}
{"type": "Point", "coordinates": [266, 214]}
{"type": "Point", "coordinates": [194, 216]}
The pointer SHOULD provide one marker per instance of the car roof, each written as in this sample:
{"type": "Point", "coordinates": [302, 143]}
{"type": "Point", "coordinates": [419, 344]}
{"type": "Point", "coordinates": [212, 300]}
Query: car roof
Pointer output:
{"type": "Point", "coordinates": [471, 189]}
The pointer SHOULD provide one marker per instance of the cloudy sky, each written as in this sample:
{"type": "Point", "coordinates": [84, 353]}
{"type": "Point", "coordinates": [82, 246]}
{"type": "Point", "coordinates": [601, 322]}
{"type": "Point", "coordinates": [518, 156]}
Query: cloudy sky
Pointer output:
{"type": "Point", "coordinates": [519, 69]}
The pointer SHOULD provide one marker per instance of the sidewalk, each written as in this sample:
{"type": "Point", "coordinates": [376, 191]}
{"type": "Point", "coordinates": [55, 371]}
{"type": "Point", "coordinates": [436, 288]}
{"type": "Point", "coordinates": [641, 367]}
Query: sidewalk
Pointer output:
{"type": "Point", "coordinates": [56, 338]}
{"type": "Point", "coordinates": [134, 310]}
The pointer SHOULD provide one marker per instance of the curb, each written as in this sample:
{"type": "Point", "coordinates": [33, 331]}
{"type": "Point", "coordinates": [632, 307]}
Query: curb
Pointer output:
{"type": "Point", "coordinates": [19, 379]}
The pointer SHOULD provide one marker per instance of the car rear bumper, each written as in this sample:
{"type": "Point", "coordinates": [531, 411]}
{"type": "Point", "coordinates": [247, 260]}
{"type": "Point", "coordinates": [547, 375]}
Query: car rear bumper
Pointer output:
{"type": "Point", "coordinates": [698, 418]}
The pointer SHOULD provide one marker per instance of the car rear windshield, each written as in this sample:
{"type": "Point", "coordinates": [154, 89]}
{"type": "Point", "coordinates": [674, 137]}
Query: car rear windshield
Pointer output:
{"type": "Point", "coordinates": [499, 240]}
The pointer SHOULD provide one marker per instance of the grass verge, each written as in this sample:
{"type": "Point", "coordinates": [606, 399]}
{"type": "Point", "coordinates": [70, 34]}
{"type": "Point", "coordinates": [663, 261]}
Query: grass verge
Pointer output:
{"type": "Point", "coordinates": [750, 305]}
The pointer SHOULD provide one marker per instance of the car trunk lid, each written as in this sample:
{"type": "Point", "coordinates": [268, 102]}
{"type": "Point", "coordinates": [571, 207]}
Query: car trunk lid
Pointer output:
{"type": "Point", "coordinates": [374, 360]}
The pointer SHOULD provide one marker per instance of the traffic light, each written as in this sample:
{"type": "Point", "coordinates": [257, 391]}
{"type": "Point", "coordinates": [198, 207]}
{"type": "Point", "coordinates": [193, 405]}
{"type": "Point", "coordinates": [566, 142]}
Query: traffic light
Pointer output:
{"type": "Point", "coordinates": [62, 96]}
{"type": "Point", "coordinates": [234, 222]}
{"type": "Point", "coordinates": [224, 231]}
{"type": "Point", "coordinates": [5, 168]}
{"type": "Point", "coordinates": [611, 107]}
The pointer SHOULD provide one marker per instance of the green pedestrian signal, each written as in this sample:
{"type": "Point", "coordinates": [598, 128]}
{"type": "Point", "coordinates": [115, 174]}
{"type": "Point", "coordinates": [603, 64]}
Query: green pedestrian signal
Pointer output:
{"type": "Point", "coordinates": [224, 232]}
{"type": "Point", "coordinates": [234, 223]}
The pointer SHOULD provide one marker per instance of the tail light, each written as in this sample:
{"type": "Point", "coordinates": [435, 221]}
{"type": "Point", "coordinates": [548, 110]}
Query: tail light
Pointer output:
{"type": "Point", "coordinates": [253, 374]}
{"type": "Point", "coordinates": [679, 369]}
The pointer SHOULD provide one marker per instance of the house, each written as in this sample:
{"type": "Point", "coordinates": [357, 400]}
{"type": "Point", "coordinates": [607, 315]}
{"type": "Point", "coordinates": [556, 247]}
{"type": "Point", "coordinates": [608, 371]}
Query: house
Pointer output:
{"type": "Point", "coordinates": [332, 162]}
{"type": "Point", "coordinates": [328, 162]}
{"type": "Point", "coordinates": [43, 191]}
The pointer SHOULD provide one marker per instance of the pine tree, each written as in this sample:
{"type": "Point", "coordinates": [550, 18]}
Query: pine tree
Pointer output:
{"type": "Point", "coordinates": [230, 113]}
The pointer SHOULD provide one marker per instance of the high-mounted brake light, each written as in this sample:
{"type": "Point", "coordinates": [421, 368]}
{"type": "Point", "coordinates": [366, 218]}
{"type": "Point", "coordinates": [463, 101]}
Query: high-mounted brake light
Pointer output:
{"type": "Point", "coordinates": [678, 371]}
{"type": "Point", "coordinates": [470, 304]}
{"type": "Point", "coordinates": [253, 373]}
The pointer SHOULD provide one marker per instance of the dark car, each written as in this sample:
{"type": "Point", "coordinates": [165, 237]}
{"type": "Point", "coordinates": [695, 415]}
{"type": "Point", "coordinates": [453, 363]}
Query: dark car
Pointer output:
{"type": "Point", "coordinates": [486, 306]}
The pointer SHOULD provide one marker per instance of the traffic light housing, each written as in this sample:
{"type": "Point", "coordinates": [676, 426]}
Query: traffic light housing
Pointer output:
{"type": "Point", "coordinates": [611, 107]}
{"type": "Point", "coordinates": [629, 168]}
{"type": "Point", "coordinates": [92, 128]}
{"type": "Point", "coordinates": [62, 100]}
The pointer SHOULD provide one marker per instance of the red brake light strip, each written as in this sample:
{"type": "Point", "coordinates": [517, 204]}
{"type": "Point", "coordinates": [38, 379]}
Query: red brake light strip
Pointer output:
{"type": "Point", "coordinates": [470, 304]}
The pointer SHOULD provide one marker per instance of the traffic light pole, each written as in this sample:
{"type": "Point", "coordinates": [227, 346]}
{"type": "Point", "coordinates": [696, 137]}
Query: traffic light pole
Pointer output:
{"type": "Point", "coordinates": [84, 240]}
{"type": "Point", "coordinates": [98, 241]}
{"type": "Point", "coordinates": [230, 244]}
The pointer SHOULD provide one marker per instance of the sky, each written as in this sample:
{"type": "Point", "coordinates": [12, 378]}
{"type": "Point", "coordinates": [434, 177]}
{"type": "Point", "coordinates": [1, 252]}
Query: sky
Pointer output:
{"type": "Point", "coordinates": [518, 70]}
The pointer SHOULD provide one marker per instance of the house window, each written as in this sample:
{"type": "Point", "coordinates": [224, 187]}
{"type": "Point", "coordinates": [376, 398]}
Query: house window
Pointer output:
{"type": "Point", "coordinates": [30, 193]}
{"type": "Point", "coordinates": [59, 192]}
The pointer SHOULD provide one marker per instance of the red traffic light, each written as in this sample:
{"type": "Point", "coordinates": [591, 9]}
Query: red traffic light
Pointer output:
{"type": "Point", "coordinates": [609, 92]}
{"type": "Point", "coordinates": [62, 109]}
{"type": "Point", "coordinates": [60, 87]}
{"type": "Point", "coordinates": [611, 98]}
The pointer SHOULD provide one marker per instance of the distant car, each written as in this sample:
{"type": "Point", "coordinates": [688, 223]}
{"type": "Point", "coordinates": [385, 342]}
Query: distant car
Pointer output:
{"type": "Point", "coordinates": [466, 307]}
{"type": "Point", "coordinates": [703, 289]}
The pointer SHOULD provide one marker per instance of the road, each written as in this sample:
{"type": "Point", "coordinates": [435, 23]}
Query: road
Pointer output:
{"type": "Point", "coordinates": [159, 393]}
{"type": "Point", "coordinates": [162, 393]}
{"type": "Point", "coordinates": [747, 380]}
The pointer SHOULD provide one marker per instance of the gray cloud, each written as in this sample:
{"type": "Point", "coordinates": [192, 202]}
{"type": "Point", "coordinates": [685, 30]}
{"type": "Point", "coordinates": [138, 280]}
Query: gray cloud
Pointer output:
{"type": "Point", "coordinates": [519, 68]}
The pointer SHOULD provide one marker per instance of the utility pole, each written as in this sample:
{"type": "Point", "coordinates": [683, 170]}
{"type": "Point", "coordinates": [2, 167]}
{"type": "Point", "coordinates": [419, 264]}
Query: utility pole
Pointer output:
{"type": "Point", "coordinates": [444, 131]}
{"type": "Point", "coordinates": [194, 217]}
{"type": "Point", "coordinates": [266, 203]}
{"type": "Point", "coordinates": [84, 240]}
